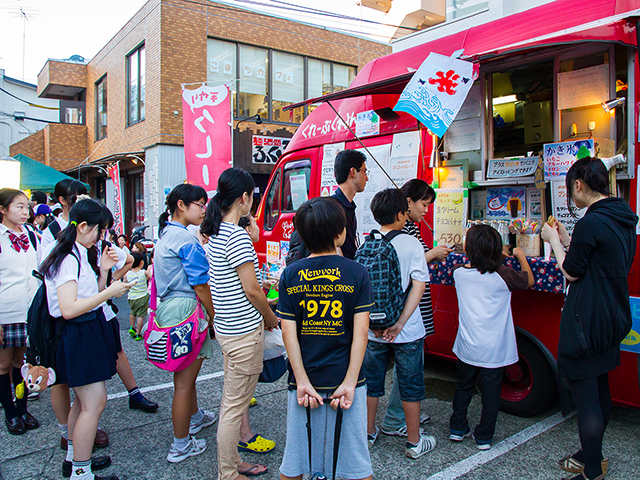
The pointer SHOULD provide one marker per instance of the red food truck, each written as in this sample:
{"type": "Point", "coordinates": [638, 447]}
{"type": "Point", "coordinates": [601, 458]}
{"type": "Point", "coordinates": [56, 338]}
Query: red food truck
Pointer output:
{"type": "Point", "coordinates": [543, 75]}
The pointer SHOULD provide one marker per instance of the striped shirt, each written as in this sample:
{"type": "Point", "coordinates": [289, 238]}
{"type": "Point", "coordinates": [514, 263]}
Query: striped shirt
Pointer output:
{"type": "Point", "coordinates": [232, 247]}
{"type": "Point", "coordinates": [426, 308]}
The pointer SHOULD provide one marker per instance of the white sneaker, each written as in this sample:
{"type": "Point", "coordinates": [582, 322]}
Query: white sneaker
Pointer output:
{"type": "Point", "coordinates": [398, 432]}
{"type": "Point", "coordinates": [372, 437]}
{"type": "Point", "coordinates": [425, 445]}
{"type": "Point", "coordinates": [481, 444]}
{"type": "Point", "coordinates": [208, 419]}
{"type": "Point", "coordinates": [194, 447]}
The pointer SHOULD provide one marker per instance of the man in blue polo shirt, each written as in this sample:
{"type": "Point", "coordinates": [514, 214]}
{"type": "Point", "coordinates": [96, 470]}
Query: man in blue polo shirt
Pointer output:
{"type": "Point", "coordinates": [351, 175]}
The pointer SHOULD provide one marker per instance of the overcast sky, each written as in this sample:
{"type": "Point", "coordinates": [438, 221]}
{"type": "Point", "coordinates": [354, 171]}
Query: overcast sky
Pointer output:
{"type": "Point", "coordinates": [61, 28]}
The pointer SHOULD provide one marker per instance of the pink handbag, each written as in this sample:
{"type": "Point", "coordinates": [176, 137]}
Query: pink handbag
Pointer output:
{"type": "Point", "coordinates": [173, 348]}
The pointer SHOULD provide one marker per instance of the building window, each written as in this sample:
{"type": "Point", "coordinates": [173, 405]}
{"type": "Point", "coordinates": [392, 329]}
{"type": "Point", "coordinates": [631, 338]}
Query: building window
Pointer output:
{"type": "Point", "coordinates": [265, 81]}
{"type": "Point", "coordinates": [252, 87]}
{"type": "Point", "coordinates": [101, 108]}
{"type": "Point", "coordinates": [221, 57]}
{"type": "Point", "coordinates": [287, 76]}
{"type": "Point", "coordinates": [73, 115]}
{"type": "Point", "coordinates": [136, 85]}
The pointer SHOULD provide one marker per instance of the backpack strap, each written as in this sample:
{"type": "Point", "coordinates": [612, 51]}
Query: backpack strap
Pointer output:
{"type": "Point", "coordinates": [153, 292]}
{"type": "Point", "coordinates": [392, 234]}
{"type": "Point", "coordinates": [377, 235]}
{"type": "Point", "coordinates": [54, 228]}
{"type": "Point", "coordinates": [33, 239]}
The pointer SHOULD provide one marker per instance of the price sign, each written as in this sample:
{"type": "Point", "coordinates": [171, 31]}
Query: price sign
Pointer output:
{"type": "Point", "coordinates": [512, 167]}
{"type": "Point", "coordinates": [558, 157]}
{"type": "Point", "coordinates": [267, 150]}
{"type": "Point", "coordinates": [450, 215]}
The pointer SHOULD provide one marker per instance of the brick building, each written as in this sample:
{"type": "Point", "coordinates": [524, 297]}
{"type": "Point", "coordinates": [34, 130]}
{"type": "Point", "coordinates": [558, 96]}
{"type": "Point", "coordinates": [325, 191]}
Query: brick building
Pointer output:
{"type": "Point", "coordinates": [128, 97]}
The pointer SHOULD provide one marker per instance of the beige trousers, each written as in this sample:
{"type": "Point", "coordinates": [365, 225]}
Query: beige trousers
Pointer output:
{"type": "Point", "coordinates": [242, 355]}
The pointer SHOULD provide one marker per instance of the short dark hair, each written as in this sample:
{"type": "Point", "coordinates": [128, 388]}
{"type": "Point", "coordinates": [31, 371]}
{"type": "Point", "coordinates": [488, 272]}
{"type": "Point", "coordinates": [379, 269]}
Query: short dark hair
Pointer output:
{"type": "Point", "coordinates": [387, 204]}
{"type": "Point", "coordinates": [319, 222]}
{"type": "Point", "coordinates": [39, 197]}
{"type": "Point", "coordinates": [138, 258]}
{"type": "Point", "coordinates": [417, 189]}
{"type": "Point", "coordinates": [483, 247]}
{"type": "Point", "coordinates": [345, 161]}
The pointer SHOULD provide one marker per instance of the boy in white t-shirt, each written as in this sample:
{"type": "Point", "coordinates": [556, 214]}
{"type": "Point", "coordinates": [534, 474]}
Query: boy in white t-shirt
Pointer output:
{"type": "Point", "coordinates": [138, 295]}
{"type": "Point", "coordinates": [404, 340]}
{"type": "Point", "coordinates": [486, 339]}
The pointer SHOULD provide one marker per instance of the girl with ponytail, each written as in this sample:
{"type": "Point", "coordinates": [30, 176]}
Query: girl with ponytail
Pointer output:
{"type": "Point", "coordinates": [181, 273]}
{"type": "Point", "coordinates": [18, 258]}
{"type": "Point", "coordinates": [242, 312]}
{"type": "Point", "coordinates": [75, 278]}
{"type": "Point", "coordinates": [66, 193]}
{"type": "Point", "coordinates": [596, 316]}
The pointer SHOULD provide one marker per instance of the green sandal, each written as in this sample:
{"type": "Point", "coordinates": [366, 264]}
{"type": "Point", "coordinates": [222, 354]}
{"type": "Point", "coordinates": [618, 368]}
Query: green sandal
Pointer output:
{"type": "Point", "coordinates": [257, 444]}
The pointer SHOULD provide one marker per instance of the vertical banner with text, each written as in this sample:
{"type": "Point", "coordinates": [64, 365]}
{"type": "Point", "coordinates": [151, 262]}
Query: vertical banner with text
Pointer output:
{"type": "Point", "coordinates": [118, 217]}
{"type": "Point", "coordinates": [206, 113]}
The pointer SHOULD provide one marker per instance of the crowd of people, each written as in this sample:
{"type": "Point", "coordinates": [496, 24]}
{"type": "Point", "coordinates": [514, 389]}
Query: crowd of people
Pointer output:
{"type": "Point", "coordinates": [338, 323]}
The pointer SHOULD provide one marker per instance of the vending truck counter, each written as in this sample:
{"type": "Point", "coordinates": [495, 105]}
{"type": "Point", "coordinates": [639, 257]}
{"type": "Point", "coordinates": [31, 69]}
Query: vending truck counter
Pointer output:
{"type": "Point", "coordinates": [547, 275]}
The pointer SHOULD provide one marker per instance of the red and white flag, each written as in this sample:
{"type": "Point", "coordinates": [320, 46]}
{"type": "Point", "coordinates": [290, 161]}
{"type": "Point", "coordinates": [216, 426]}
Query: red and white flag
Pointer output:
{"type": "Point", "coordinates": [114, 174]}
{"type": "Point", "coordinates": [206, 113]}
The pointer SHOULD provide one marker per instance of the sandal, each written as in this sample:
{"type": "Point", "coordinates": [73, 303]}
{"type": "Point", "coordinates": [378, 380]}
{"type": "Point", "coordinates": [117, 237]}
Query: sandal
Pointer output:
{"type": "Point", "coordinates": [252, 473]}
{"type": "Point", "coordinates": [257, 444]}
{"type": "Point", "coordinates": [571, 465]}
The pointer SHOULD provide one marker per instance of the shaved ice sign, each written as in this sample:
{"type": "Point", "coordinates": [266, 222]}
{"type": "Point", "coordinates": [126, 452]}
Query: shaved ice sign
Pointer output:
{"type": "Point", "coordinates": [436, 92]}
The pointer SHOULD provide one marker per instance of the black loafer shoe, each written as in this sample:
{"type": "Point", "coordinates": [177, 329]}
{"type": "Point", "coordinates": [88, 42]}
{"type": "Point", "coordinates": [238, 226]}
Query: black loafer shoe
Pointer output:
{"type": "Point", "coordinates": [144, 405]}
{"type": "Point", "coordinates": [15, 426]}
{"type": "Point", "coordinates": [97, 463]}
{"type": "Point", "coordinates": [30, 421]}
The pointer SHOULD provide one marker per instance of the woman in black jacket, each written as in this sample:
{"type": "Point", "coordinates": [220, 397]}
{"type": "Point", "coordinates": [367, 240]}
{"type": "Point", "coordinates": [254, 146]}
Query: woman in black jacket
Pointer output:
{"type": "Point", "coordinates": [596, 316]}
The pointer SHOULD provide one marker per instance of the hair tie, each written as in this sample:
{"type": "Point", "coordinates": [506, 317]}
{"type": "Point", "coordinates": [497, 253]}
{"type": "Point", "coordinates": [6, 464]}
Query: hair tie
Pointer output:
{"type": "Point", "coordinates": [74, 223]}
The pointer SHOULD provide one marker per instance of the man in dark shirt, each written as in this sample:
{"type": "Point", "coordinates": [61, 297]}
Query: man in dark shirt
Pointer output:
{"type": "Point", "coordinates": [351, 175]}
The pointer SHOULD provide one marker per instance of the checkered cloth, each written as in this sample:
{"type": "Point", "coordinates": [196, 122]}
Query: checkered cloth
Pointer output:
{"type": "Point", "coordinates": [15, 335]}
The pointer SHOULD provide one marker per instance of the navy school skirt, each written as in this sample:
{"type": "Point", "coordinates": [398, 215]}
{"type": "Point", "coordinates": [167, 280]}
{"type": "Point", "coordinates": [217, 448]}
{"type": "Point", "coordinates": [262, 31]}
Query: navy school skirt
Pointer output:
{"type": "Point", "coordinates": [87, 351]}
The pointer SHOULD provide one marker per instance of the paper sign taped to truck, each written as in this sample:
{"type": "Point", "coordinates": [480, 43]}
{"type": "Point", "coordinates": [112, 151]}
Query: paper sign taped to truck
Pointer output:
{"type": "Point", "coordinates": [632, 342]}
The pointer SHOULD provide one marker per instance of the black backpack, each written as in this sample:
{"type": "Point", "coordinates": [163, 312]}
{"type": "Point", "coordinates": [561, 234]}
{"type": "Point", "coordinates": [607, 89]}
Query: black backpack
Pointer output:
{"type": "Point", "coordinates": [297, 249]}
{"type": "Point", "coordinates": [42, 329]}
{"type": "Point", "coordinates": [55, 229]}
{"type": "Point", "coordinates": [380, 258]}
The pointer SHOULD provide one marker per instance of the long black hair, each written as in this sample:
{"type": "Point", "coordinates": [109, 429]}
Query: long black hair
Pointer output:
{"type": "Point", "coordinates": [483, 247]}
{"type": "Point", "coordinates": [187, 193]}
{"type": "Point", "coordinates": [7, 196]}
{"type": "Point", "coordinates": [96, 214]}
{"type": "Point", "coordinates": [417, 190]}
{"type": "Point", "coordinates": [69, 189]}
{"type": "Point", "coordinates": [232, 184]}
{"type": "Point", "coordinates": [593, 173]}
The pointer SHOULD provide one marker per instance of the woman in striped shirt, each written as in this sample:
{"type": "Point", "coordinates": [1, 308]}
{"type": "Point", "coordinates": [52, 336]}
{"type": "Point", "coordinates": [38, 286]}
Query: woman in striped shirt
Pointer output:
{"type": "Point", "coordinates": [419, 196]}
{"type": "Point", "coordinates": [242, 312]}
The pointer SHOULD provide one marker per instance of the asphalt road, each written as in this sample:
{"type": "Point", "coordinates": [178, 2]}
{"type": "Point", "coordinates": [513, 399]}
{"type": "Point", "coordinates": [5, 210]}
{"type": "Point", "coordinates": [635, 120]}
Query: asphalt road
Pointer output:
{"type": "Point", "coordinates": [524, 448]}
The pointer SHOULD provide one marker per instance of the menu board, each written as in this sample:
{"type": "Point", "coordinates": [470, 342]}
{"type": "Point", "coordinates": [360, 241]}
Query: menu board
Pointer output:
{"type": "Point", "coordinates": [328, 183]}
{"type": "Point", "coordinates": [584, 87]}
{"type": "Point", "coordinates": [512, 167]}
{"type": "Point", "coordinates": [558, 157]}
{"type": "Point", "coordinates": [499, 202]}
{"type": "Point", "coordinates": [560, 208]}
{"type": "Point", "coordinates": [449, 215]}
{"type": "Point", "coordinates": [464, 135]}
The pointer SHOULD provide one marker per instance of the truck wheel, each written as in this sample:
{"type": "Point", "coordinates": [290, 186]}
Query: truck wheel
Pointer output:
{"type": "Point", "coordinates": [528, 387]}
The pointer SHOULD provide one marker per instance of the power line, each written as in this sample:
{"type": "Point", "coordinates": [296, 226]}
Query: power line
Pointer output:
{"type": "Point", "coordinates": [27, 102]}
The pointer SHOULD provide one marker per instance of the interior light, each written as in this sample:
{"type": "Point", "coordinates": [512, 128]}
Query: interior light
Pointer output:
{"type": "Point", "coordinates": [609, 105]}
{"type": "Point", "coordinates": [505, 99]}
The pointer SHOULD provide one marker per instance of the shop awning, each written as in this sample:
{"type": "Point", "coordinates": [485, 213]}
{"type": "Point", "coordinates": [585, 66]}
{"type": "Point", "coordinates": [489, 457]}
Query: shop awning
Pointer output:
{"type": "Point", "coordinates": [38, 176]}
{"type": "Point", "coordinates": [555, 23]}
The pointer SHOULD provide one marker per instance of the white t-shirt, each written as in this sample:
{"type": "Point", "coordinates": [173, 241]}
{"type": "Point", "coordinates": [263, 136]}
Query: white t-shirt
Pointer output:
{"type": "Point", "coordinates": [68, 272]}
{"type": "Point", "coordinates": [17, 285]}
{"type": "Point", "coordinates": [232, 247]}
{"type": "Point", "coordinates": [413, 266]}
{"type": "Point", "coordinates": [486, 336]}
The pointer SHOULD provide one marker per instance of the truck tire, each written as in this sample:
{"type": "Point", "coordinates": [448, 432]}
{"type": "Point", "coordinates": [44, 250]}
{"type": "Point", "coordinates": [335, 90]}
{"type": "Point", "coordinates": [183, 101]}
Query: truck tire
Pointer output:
{"type": "Point", "coordinates": [529, 386]}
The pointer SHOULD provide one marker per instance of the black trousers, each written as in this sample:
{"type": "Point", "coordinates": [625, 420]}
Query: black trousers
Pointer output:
{"type": "Point", "coordinates": [490, 386]}
{"type": "Point", "coordinates": [592, 399]}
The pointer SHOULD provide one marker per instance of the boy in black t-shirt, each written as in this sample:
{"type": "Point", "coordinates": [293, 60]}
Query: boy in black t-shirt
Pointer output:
{"type": "Point", "coordinates": [324, 309]}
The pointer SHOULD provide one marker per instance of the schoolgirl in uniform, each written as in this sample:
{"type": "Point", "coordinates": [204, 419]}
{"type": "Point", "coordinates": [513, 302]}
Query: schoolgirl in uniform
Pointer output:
{"type": "Point", "coordinates": [75, 280]}
{"type": "Point", "coordinates": [18, 258]}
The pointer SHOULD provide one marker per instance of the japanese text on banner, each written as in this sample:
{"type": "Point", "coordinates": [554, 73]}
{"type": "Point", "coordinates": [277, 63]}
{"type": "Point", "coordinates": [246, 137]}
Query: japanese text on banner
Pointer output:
{"type": "Point", "coordinates": [558, 157]}
{"type": "Point", "coordinates": [206, 114]}
{"type": "Point", "coordinates": [114, 174]}
{"type": "Point", "coordinates": [267, 150]}
{"type": "Point", "coordinates": [449, 215]}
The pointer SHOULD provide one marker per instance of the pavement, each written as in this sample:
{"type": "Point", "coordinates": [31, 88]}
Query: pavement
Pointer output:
{"type": "Point", "coordinates": [524, 448]}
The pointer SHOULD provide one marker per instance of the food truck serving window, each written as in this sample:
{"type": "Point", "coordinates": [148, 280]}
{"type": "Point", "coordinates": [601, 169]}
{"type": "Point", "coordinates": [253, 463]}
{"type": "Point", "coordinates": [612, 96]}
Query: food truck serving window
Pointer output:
{"type": "Point", "coordinates": [272, 203]}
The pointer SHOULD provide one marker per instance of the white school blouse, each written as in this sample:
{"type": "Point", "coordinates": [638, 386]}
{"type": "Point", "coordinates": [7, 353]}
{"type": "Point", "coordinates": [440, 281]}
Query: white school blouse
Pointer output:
{"type": "Point", "coordinates": [17, 285]}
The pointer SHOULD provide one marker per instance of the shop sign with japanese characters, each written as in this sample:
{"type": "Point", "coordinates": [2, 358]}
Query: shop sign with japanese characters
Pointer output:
{"type": "Point", "coordinates": [450, 215]}
{"type": "Point", "coordinates": [512, 167]}
{"type": "Point", "coordinates": [267, 150]}
{"type": "Point", "coordinates": [558, 157]}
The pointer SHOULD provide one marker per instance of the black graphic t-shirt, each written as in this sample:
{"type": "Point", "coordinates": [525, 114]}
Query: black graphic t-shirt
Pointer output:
{"type": "Point", "coordinates": [322, 294]}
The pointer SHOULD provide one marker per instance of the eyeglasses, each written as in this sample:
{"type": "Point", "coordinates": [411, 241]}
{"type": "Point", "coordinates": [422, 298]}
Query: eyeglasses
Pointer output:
{"type": "Point", "coordinates": [201, 205]}
{"type": "Point", "coordinates": [363, 170]}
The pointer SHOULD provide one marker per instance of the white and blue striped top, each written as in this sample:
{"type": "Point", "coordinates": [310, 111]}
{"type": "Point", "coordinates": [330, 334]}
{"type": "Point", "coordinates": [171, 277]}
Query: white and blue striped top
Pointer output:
{"type": "Point", "coordinates": [232, 247]}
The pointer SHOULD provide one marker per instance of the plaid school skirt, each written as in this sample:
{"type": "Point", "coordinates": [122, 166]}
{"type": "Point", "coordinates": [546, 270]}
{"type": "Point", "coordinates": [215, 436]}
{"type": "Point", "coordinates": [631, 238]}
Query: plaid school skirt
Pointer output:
{"type": "Point", "coordinates": [15, 335]}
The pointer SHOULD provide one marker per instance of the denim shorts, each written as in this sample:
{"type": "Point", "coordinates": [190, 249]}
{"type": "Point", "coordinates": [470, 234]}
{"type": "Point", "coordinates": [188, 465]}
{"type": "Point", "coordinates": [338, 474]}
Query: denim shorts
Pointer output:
{"type": "Point", "coordinates": [409, 358]}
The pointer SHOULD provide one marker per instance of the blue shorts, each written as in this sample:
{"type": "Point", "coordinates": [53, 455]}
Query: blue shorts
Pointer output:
{"type": "Point", "coordinates": [353, 456]}
{"type": "Point", "coordinates": [409, 358]}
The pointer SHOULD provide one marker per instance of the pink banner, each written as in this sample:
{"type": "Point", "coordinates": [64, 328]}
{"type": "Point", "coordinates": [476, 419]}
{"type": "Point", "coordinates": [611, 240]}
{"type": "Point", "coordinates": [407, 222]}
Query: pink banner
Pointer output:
{"type": "Point", "coordinates": [207, 134]}
{"type": "Point", "coordinates": [114, 173]}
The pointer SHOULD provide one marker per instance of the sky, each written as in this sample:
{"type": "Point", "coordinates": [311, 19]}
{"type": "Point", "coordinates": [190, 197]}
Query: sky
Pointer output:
{"type": "Point", "coordinates": [62, 28]}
